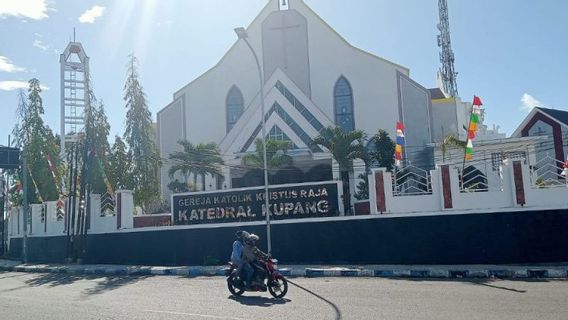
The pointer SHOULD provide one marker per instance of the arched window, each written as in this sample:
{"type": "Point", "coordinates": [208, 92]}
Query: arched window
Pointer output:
{"type": "Point", "coordinates": [235, 106]}
{"type": "Point", "coordinates": [343, 102]}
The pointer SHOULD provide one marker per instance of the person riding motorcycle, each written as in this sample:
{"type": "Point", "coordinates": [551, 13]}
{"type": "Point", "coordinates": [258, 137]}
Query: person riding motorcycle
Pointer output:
{"type": "Point", "coordinates": [244, 269]}
{"type": "Point", "coordinates": [251, 254]}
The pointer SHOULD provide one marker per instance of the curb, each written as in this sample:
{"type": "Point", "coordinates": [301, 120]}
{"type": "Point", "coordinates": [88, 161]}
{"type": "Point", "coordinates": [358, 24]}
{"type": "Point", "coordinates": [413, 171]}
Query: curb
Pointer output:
{"type": "Point", "coordinates": [447, 273]}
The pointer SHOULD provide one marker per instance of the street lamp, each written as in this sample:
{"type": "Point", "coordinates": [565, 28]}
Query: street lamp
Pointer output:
{"type": "Point", "coordinates": [243, 35]}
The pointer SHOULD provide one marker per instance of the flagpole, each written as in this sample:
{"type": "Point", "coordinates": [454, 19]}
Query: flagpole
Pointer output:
{"type": "Point", "coordinates": [467, 141]}
{"type": "Point", "coordinates": [476, 102]}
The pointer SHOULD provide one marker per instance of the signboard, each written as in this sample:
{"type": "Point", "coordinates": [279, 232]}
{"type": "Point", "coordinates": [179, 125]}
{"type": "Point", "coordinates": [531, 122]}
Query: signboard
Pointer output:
{"type": "Point", "coordinates": [9, 158]}
{"type": "Point", "coordinates": [242, 205]}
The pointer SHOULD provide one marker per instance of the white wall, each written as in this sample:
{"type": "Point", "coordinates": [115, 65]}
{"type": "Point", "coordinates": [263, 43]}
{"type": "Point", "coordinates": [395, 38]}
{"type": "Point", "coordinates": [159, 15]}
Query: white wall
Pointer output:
{"type": "Point", "coordinates": [469, 201]}
{"type": "Point", "coordinates": [100, 224]}
{"type": "Point", "coordinates": [482, 200]}
{"type": "Point", "coordinates": [543, 197]}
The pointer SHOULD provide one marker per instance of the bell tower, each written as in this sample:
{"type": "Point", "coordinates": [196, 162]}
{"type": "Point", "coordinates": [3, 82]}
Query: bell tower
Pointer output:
{"type": "Point", "coordinates": [75, 98]}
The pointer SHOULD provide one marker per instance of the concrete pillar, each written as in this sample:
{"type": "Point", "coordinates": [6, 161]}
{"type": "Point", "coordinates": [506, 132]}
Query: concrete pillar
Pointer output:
{"type": "Point", "coordinates": [436, 184]}
{"type": "Point", "coordinates": [95, 213]}
{"type": "Point", "coordinates": [124, 209]}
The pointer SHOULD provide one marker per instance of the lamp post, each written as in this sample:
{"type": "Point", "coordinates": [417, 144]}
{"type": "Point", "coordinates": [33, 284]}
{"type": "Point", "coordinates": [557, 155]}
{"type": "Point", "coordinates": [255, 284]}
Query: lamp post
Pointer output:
{"type": "Point", "coordinates": [242, 34]}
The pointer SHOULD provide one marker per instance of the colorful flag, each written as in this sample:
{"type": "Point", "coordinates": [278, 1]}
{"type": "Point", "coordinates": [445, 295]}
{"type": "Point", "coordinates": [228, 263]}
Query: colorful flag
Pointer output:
{"type": "Point", "coordinates": [399, 149]}
{"type": "Point", "coordinates": [473, 126]}
{"type": "Point", "coordinates": [469, 150]}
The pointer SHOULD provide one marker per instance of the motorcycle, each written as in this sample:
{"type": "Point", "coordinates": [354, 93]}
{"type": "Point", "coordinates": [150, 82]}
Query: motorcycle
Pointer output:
{"type": "Point", "coordinates": [266, 277]}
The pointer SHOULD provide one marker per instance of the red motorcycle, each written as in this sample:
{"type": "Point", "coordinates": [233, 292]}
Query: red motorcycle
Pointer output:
{"type": "Point", "coordinates": [266, 277]}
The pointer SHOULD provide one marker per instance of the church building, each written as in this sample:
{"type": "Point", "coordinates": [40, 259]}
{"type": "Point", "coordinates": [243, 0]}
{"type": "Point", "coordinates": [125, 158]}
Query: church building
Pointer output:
{"type": "Point", "coordinates": [313, 78]}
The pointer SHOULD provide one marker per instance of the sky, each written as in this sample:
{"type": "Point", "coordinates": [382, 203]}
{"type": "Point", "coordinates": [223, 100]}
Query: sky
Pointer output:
{"type": "Point", "coordinates": [511, 53]}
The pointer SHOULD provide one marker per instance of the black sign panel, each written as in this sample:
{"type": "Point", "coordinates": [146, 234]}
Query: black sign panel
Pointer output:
{"type": "Point", "coordinates": [286, 202]}
{"type": "Point", "coordinates": [9, 158]}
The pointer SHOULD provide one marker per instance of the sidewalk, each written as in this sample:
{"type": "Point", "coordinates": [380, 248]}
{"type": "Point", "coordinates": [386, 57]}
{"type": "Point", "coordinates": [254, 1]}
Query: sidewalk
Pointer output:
{"type": "Point", "coordinates": [386, 271]}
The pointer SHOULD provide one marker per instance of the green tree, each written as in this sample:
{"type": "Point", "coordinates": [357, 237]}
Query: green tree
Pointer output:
{"type": "Point", "coordinates": [276, 155]}
{"type": "Point", "coordinates": [119, 165]}
{"type": "Point", "coordinates": [195, 160]}
{"type": "Point", "coordinates": [362, 187]}
{"type": "Point", "coordinates": [139, 135]}
{"type": "Point", "coordinates": [382, 154]}
{"type": "Point", "coordinates": [345, 147]}
{"type": "Point", "coordinates": [209, 157]}
{"type": "Point", "coordinates": [38, 144]}
{"type": "Point", "coordinates": [98, 130]}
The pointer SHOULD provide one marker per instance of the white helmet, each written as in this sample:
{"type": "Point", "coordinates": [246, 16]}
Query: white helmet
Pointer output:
{"type": "Point", "coordinates": [253, 237]}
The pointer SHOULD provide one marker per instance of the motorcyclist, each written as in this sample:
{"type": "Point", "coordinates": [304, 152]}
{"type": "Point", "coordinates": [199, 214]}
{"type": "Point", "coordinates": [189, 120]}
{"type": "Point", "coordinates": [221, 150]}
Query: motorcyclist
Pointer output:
{"type": "Point", "coordinates": [251, 253]}
{"type": "Point", "coordinates": [244, 269]}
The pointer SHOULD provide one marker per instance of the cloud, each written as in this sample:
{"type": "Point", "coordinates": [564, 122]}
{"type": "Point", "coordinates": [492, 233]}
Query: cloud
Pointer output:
{"type": "Point", "coordinates": [7, 66]}
{"type": "Point", "coordinates": [528, 102]}
{"type": "Point", "coordinates": [39, 44]}
{"type": "Point", "coordinates": [16, 84]}
{"type": "Point", "coordinates": [92, 14]}
{"type": "Point", "coordinates": [33, 9]}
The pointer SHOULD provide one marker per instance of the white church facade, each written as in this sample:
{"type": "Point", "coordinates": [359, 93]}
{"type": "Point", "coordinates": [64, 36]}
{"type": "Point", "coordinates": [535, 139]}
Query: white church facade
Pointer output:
{"type": "Point", "coordinates": [313, 78]}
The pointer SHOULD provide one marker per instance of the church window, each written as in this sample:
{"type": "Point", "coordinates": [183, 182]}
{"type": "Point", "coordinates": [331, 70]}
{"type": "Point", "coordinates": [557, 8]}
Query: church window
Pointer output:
{"type": "Point", "coordinates": [235, 107]}
{"type": "Point", "coordinates": [343, 101]}
{"type": "Point", "coordinates": [277, 134]}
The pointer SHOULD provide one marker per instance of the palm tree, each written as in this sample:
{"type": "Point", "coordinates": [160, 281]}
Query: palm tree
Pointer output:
{"type": "Point", "coordinates": [345, 147]}
{"type": "Point", "coordinates": [276, 155]}
{"type": "Point", "coordinates": [196, 160]}
{"type": "Point", "coordinates": [210, 160]}
{"type": "Point", "coordinates": [451, 141]}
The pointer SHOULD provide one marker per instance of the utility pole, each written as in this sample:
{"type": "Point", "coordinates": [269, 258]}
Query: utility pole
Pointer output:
{"type": "Point", "coordinates": [447, 73]}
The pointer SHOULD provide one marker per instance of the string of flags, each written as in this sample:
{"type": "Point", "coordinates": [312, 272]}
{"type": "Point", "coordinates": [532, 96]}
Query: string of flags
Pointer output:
{"type": "Point", "coordinates": [35, 186]}
{"type": "Point", "coordinates": [399, 148]}
{"type": "Point", "coordinates": [473, 126]}
{"type": "Point", "coordinates": [51, 169]}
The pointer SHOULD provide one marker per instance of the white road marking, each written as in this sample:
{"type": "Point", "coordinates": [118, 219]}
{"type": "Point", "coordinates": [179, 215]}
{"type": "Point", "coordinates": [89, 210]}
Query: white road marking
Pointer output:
{"type": "Point", "coordinates": [194, 315]}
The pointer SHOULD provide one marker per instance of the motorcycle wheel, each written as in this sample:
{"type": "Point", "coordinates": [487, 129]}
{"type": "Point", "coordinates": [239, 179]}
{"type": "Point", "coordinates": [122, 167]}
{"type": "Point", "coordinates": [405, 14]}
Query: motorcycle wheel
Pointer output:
{"type": "Point", "coordinates": [235, 290]}
{"type": "Point", "coordinates": [278, 287]}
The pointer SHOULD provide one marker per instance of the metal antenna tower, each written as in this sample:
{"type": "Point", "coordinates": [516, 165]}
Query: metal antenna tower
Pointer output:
{"type": "Point", "coordinates": [75, 98]}
{"type": "Point", "coordinates": [447, 73]}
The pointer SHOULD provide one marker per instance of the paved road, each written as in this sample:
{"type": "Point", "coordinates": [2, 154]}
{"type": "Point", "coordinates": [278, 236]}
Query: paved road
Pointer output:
{"type": "Point", "coordinates": [55, 296]}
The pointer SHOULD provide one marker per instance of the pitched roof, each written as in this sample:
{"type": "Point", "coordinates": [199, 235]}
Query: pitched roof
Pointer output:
{"type": "Point", "coordinates": [560, 115]}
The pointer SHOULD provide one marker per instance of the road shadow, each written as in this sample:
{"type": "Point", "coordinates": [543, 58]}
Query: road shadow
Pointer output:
{"type": "Point", "coordinates": [258, 301]}
{"type": "Point", "coordinates": [335, 308]}
{"type": "Point", "coordinates": [485, 284]}
{"type": "Point", "coordinates": [103, 283]}
{"type": "Point", "coordinates": [9, 274]}
{"type": "Point", "coordinates": [494, 282]}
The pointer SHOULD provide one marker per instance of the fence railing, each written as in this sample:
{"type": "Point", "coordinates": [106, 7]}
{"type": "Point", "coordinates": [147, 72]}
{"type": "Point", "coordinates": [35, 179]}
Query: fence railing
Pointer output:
{"type": "Point", "coordinates": [411, 180]}
{"type": "Point", "coordinates": [547, 173]}
{"type": "Point", "coordinates": [475, 180]}
{"type": "Point", "coordinates": [108, 204]}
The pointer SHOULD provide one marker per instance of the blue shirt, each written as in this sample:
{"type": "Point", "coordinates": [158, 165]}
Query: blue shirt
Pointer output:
{"type": "Point", "coordinates": [236, 255]}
